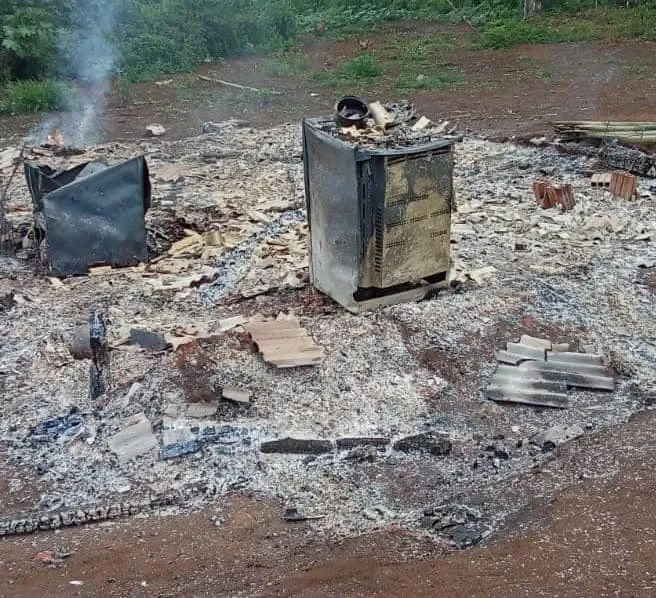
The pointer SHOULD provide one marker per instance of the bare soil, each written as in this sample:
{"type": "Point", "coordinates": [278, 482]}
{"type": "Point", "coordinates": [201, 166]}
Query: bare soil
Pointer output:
{"type": "Point", "coordinates": [516, 92]}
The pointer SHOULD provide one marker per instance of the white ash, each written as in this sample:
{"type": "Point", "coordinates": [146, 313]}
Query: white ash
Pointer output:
{"type": "Point", "coordinates": [580, 269]}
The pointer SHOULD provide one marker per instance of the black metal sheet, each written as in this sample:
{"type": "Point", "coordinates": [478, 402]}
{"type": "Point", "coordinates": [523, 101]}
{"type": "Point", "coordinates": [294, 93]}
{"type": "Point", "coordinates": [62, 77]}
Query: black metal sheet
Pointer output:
{"type": "Point", "coordinates": [98, 219]}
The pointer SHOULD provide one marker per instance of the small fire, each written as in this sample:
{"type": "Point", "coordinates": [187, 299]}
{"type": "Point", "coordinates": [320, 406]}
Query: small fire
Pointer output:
{"type": "Point", "coordinates": [56, 138]}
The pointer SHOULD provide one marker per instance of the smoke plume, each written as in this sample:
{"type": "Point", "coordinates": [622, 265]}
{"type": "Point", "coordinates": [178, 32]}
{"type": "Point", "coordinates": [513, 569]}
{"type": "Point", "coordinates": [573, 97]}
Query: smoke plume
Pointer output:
{"type": "Point", "coordinates": [88, 56]}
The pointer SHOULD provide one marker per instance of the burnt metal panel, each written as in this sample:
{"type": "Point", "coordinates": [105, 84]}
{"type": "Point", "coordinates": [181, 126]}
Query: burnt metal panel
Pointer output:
{"type": "Point", "coordinates": [332, 196]}
{"type": "Point", "coordinates": [92, 220]}
{"type": "Point", "coordinates": [379, 218]}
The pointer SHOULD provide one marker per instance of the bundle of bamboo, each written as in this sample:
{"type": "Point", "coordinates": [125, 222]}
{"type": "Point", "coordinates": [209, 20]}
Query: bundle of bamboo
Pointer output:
{"type": "Point", "coordinates": [628, 132]}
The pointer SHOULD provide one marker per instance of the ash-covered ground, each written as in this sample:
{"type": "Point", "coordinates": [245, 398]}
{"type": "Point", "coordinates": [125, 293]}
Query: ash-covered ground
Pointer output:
{"type": "Point", "coordinates": [586, 276]}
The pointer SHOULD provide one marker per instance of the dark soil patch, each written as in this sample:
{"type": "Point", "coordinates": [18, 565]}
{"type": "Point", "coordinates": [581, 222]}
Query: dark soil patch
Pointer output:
{"type": "Point", "coordinates": [196, 368]}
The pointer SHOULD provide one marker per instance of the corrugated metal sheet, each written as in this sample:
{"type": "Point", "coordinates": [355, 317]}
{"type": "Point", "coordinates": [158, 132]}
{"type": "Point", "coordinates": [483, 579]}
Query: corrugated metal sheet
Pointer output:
{"type": "Point", "coordinates": [533, 375]}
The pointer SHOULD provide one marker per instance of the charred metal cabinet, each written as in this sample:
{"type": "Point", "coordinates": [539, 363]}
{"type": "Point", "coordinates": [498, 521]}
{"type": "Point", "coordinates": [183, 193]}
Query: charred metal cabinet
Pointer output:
{"type": "Point", "coordinates": [380, 219]}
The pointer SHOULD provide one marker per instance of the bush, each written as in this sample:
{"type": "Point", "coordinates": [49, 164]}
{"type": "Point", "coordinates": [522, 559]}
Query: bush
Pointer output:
{"type": "Point", "coordinates": [28, 38]}
{"type": "Point", "coordinates": [362, 67]}
{"type": "Point", "coordinates": [508, 33]}
{"type": "Point", "coordinates": [33, 96]}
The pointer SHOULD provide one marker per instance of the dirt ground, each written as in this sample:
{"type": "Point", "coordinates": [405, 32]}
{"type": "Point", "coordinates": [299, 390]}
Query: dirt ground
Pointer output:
{"type": "Point", "coordinates": [502, 93]}
{"type": "Point", "coordinates": [594, 538]}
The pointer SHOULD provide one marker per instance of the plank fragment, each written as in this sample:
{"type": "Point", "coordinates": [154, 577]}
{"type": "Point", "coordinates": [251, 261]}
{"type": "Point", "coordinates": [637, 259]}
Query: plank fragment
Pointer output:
{"type": "Point", "coordinates": [284, 343]}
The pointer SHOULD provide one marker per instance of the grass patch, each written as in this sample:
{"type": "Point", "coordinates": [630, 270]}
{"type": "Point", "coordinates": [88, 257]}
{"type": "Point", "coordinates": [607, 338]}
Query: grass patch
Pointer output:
{"type": "Point", "coordinates": [423, 50]}
{"type": "Point", "coordinates": [609, 24]}
{"type": "Point", "coordinates": [287, 65]}
{"type": "Point", "coordinates": [361, 68]}
{"type": "Point", "coordinates": [419, 81]}
{"type": "Point", "coordinates": [340, 19]}
{"type": "Point", "coordinates": [33, 96]}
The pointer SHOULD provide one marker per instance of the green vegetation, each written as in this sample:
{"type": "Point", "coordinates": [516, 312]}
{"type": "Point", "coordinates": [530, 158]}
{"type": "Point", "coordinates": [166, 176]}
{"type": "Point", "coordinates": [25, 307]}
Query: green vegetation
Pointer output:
{"type": "Point", "coordinates": [44, 39]}
{"type": "Point", "coordinates": [33, 96]}
{"type": "Point", "coordinates": [361, 68]}
{"type": "Point", "coordinates": [418, 51]}
{"type": "Point", "coordinates": [612, 24]}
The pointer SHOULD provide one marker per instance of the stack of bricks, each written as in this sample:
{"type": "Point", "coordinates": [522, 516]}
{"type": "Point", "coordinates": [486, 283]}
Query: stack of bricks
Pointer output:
{"type": "Point", "coordinates": [624, 185]}
{"type": "Point", "coordinates": [548, 195]}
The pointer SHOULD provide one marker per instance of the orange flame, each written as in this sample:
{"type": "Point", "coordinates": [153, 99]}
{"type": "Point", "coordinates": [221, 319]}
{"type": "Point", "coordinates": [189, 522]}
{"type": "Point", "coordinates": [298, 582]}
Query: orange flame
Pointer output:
{"type": "Point", "coordinates": [56, 138]}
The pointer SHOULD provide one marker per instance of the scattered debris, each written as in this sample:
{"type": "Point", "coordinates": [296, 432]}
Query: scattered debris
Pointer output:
{"type": "Point", "coordinates": [7, 301]}
{"type": "Point", "coordinates": [557, 435]}
{"type": "Point", "coordinates": [548, 195]}
{"type": "Point", "coordinates": [600, 179]}
{"type": "Point", "coordinates": [236, 395]}
{"type": "Point", "coordinates": [349, 443]}
{"type": "Point", "coordinates": [237, 86]}
{"type": "Point", "coordinates": [381, 116]}
{"type": "Point", "coordinates": [156, 130]}
{"type": "Point", "coordinates": [378, 513]}
{"type": "Point", "coordinates": [362, 387]}
{"type": "Point", "coordinates": [422, 123]}
{"type": "Point", "coordinates": [297, 514]}
{"type": "Point", "coordinates": [481, 275]}
{"type": "Point", "coordinates": [153, 341]}
{"type": "Point", "coordinates": [297, 446]}
{"type": "Point", "coordinates": [229, 323]}
{"type": "Point", "coordinates": [363, 453]}
{"type": "Point", "coordinates": [531, 341]}
{"type": "Point", "coordinates": [460, 524]}
{"type": "Point", "coordinates": [79, 342]}
{"type": "Point", "coordinates": [134, 440]}
{"type": "Point", "coordinates": [201, 410]}
{"type": "Point", "coordinates": [540, 373]}
{"type": "Point", "coordinates": [181, 442]}
{"type": "Point", "coordinates": [433, 443]}
{"type": "Point", "coordinates": [45, 557]}
{"type": "Point", "coordinates": [180, 449]}
{"type": "Point", "coordinates": [284, 343]}
{"type": "Point", "coordinates": [66, 427]}
{"type": "Point", "coordinates": [195, 367]}
{"type": "Point", "coordinates": [624, 185]}
{"type": "Point", "coordinates": [629, 159]}
{"type": "Point", "coordinates": [375, 126]}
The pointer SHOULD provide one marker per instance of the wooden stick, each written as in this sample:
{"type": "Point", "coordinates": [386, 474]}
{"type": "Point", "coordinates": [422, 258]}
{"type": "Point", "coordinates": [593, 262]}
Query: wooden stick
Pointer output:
{"type": "Point", "coordinates": [237, 86]}
{"type": "Point", "coordinates": [381, 116]}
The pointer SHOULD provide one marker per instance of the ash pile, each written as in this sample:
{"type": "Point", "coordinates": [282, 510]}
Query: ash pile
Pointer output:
{"type": "Point", "coordinates": [385, 126]}
{"type": "Point", "coordinates": [191, 409]}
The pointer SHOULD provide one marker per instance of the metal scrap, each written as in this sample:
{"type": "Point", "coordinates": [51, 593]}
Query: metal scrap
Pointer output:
{"type": "Point", "coordinates": [540, 376]}
{"type": "Point", "coordinates": [50, 430]}
{"type": "Point", "coordinates": [99, 368]}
